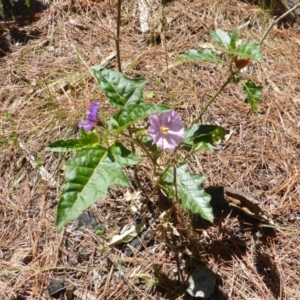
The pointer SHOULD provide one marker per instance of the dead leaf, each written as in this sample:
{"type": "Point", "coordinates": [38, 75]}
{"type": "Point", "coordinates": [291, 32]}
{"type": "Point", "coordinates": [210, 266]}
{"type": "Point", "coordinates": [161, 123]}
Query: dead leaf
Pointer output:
{"type": "Point", "coordinates": [128, 235]}
{"type": "Point", "coordinates": [135, 200]}
{"type": "Point", "coordinates": [166, 226]}
{"type": "Point", "coordinates": [245, 204]}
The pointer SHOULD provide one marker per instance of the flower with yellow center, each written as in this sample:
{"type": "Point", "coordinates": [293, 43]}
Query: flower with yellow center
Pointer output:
{"type": "Point", "coordinates": [166, 130]}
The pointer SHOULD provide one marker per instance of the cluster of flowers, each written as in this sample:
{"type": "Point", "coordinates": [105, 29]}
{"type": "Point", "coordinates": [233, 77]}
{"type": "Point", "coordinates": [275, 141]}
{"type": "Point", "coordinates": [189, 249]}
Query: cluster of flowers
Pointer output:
{"type": "Point", "coordinates": [165, 129]}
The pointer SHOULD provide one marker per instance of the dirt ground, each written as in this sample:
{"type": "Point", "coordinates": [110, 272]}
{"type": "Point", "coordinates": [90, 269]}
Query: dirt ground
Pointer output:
{"type": "Point", "coordinates": [46, 88]}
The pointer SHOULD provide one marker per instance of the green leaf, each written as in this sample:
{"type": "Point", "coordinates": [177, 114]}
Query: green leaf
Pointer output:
{"type": "Point", "coordinates": [250, 50]}
{"type": "Point", "coordinates": [111, 124]}
{"type": "Point", "coordinates": [200, 137]}
{"type": "Point", "coordinates": [122, 155]}
{"type": "Point", "coordinates": [87, 140]}
{"type": "Point", "coordinates": [88, 176]}
{"type": "Point", "coordinates": [205, 55]}
{"type": "Point", "coordinates": [191, 195]}
{"type": "Point", "coordinates": [148, 143]}
{"type": "Point", "coordinates": [132, 113]}
{"type": "Point", "coordinates": [233, 39]}
{"type": "Point", "coordinates": [221, 37]}
{"type": "Point", "coordinates": [253, 93]}
{"type": "Point", "coordinates": [118, 88]}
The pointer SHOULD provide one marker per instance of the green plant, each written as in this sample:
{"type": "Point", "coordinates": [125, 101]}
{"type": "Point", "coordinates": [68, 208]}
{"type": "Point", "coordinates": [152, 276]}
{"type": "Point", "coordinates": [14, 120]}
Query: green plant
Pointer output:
{"type": "Point", "coordinates": [126, 138]}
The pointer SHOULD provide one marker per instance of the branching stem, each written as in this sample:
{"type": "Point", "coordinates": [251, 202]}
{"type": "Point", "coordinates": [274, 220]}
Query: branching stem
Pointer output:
{"type": "Point", "coordinates": [140, 144]}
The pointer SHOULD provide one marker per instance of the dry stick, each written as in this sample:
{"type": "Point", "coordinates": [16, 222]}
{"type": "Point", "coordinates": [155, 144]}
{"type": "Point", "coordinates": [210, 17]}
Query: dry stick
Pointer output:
{"type": "Point", "coordinates": [277, 20]}
{"type": "Point", "coordinates": [118, 36]}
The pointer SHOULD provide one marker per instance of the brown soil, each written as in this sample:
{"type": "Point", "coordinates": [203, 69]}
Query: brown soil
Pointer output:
{"type": "Point", "coordinates": [46, 87]}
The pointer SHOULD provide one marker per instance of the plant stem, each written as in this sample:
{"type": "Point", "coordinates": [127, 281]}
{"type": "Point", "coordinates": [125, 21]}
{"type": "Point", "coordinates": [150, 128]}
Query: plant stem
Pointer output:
{"type": "Point", "coordinates": [277, 20]}
{"type": "Point", "coordinates": [168, 164]}
{"type": "Point", "coordinates": [211, 100]}
{"type": "Point", "coordinates": [118, 36]}
{"type": "Point", "coordinates": [140, 144]}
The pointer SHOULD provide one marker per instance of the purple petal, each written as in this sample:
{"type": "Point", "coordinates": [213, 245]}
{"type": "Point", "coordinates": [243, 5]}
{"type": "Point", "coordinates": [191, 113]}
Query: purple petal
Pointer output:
{"type": "Point", "coordinates": [87, 125]}
{"type": "Point", "coordinates": [92, 113]}
{"type": "Point", "coordinates": [175, 134]}
{"type": "Point", "coordinates": [91, 117]}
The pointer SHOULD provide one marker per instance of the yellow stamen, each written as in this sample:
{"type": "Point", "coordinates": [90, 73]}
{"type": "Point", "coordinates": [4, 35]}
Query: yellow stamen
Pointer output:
{"type": "Point", "coordinates": [164, 130]}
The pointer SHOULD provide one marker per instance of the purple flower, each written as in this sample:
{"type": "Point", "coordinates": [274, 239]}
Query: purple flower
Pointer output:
{"type": "Point", "coordinates": [166, 130]}
{"type": "Point", "coordinates": [91, 117]}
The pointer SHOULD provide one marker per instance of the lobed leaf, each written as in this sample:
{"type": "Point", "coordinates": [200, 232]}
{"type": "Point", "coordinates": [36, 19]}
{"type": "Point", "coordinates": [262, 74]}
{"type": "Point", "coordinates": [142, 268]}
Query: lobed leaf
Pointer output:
{"type": "Point", "coordinates": [191, 195]}
{"type": "Point", "coordinates": [132, 113]}
{"type": "Point", "coordinates": [250, 50]}
{"type": "Point", "coordinates": [122, 155]}
{"type": "Point", "coordinates": [221, 37]}
{"type": "Point", "coordinates": [200, 137]}
{"type": "Point", "coordinates": [86, 140]}
{"type": "Point", "coordinates": [88, 176]}
{"type": "Point", "coordinates": [118, 88]}
{"type": "Point", "coordinates": [233, 39]}
{"type": "Point", "coordinates": [195, 56]}
{"type": "Point", "coordinates": [253, 93]}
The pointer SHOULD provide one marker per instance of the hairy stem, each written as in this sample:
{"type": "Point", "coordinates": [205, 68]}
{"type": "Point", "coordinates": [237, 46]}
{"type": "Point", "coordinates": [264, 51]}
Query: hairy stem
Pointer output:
{"type": "Point", "coordinates": [118, 36]}
{"type": "Point", "coordinates": [168, 164]}
{"type": "Point", "coordinates": [211, 100]}
{"type": "Point", "coordinates": [141, 145]}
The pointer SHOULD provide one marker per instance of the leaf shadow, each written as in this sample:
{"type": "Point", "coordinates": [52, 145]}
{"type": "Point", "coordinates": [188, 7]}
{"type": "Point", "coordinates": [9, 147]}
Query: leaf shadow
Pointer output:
{"type": "Point", "coordinates": [267, 268]}
{"type": "Point", "coordinates": [235, 242]}
{"type": "Point", "coordinates": [172, 289]}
